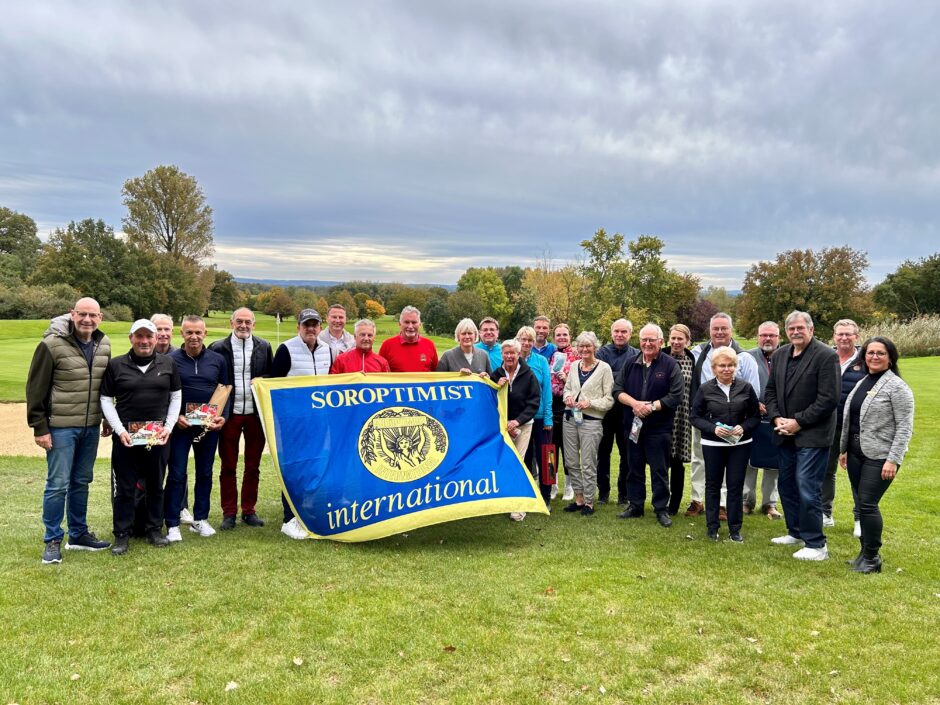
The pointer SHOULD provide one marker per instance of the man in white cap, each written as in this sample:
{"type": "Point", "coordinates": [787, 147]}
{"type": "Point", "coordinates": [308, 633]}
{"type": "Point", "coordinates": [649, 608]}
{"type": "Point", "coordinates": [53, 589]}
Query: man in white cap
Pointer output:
{"type": "Point", "coordinates": [139, 388]}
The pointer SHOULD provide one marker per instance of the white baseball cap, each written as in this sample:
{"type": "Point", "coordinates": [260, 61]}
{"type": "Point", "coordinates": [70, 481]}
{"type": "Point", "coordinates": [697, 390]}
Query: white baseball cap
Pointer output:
{"type": "Point", "coordinates": [143, 323]}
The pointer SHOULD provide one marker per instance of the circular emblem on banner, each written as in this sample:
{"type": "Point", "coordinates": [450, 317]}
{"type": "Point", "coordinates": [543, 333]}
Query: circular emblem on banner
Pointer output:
{"type": "Point", "coordinates": [400, 444]}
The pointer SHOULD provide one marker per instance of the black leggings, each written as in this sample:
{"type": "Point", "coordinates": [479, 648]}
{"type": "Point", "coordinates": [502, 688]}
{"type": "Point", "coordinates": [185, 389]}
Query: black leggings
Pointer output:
{"type": "Point", "coordinates": [869, 488]}
{"type": "Point", "coordinates": [676, 483]}
{"type": "Point", "coordinates": [728, 464]}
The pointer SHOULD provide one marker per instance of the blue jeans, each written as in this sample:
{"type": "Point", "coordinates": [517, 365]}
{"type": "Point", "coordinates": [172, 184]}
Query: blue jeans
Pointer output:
{"type": "Point", "coordinates": [802, 471]}
{"type": "Point", "coordinates": [71, 465]}
{"type": "Point", "coordinates": [204, 452]}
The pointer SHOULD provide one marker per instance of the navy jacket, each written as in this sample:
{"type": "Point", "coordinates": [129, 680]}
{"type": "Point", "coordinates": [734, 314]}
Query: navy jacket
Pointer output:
{"type": "Point", "coordinates": [201, 375]}
{"type": "Point", "coordinates": [664, 383]}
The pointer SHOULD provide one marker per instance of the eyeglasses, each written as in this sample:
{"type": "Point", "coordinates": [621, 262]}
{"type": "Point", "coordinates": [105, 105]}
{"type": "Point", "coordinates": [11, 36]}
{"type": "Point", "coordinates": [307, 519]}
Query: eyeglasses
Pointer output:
{"type": "Point", "coordinates": [875, 353]}
{"type": "Point", "coordinates": [650, 340]}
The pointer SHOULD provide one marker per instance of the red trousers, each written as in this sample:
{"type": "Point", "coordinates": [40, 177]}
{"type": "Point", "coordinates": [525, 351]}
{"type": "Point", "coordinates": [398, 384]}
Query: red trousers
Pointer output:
{"type": "Point", "coordinates": [250, 425]}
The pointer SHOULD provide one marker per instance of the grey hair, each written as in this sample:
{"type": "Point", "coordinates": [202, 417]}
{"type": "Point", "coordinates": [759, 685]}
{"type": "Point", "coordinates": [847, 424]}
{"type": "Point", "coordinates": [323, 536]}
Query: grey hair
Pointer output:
{"type": "Point", "coordinates": [193, 319]}
{"type": "Point", "coordinates": [154, 317]}
{"type": "Point", "coordinates": [232, 317]}
{"type": "Point", "coordinates": [466, 324]}
{"type": "Point", "coordinates": [409, 309]}
{"type": "Point", "coordinates": [511, 343]}
{"type": "Point", "coordinates": [588, 337]}
{"type": "Point", "coordinates": [629, 324]}
{"type": "Point", "coordinates": [772, 324]}
{"type": "Point", "coordinates": [807, 319]}
{"type": "Point", "coordinates": [659, 331]}
{"type": "Point", "coordinates": [846, 322]}
{"type": "Point", "coordinates": [721, 314]}
{"type": "Point", "coordinates": [362, 323]}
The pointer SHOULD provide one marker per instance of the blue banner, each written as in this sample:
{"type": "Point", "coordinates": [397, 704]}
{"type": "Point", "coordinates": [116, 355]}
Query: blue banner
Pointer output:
{"type": "Point", "coordinates": [362, 457]}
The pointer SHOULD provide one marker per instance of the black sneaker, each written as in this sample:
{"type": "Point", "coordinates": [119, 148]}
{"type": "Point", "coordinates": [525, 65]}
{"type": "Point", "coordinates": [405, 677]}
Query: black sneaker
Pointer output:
{"type": "Point", "coordinates": [52, 553]}
{"type": "Point", "coordinates": [587, 511]}
{"type": "Point", "coordinates": [228, 523]}
{"type": "Point", "coordinates": [252, 519]}
{"type": "Point", "coordinates": [156, 539]}
{"type": "Point", "coordinates": [121, 544]}
{"type": "Point", "coordinates": [736, 537]}
{"type": "Point", "coordinates": [87, 542]}
{"type": "Point", "coordinates": [573, 507]}
{"type": "Point", "coordinates": [713, 536]}
{"type": "Point", "coordinates": [631, 512]}
{"type": "Point", "coordinates": [663, 519]}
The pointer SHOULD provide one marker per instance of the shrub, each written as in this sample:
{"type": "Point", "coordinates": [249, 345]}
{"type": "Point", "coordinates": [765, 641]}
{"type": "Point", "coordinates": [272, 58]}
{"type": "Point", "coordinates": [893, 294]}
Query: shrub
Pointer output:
{"type": "Point", "coordinates": [117, 312]}
{"type": "Point", "coordinates": [918, 337]}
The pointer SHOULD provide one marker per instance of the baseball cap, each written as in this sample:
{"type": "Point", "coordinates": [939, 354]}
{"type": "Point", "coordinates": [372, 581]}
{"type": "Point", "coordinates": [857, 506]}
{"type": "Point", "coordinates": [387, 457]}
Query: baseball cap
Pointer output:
{"type": "Point", "coordinates": [143, 323]}
{"type": "Point", "coordinates": [308, 314]}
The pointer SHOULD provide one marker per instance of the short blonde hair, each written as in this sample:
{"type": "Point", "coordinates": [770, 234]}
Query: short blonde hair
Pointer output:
{"type": "Point", "coordinates": [526, 332]}
{"type": "Point", "coordinates": [724, 353]}
{"type": "Point", "coordinates": [465, 325]}
{"type": "Point", "coordinates": [682, 328]}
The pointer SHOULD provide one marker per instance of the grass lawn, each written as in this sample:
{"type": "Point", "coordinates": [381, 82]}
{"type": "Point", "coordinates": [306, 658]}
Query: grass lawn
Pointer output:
{"type": "Point", "coordinates": [556, 609]}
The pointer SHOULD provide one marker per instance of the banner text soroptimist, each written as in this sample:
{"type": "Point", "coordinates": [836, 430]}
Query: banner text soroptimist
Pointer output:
{"type": "Point", "coordinates": [366, 456]}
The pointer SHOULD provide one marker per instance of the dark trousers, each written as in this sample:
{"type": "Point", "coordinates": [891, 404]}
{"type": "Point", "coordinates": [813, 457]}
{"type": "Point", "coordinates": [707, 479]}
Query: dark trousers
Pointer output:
{"type": "Point", "coordinates": [800, 485]}
{"type": "Point", "coordinates": [288, 512]}
{"type": "Point", "coordinates": [829, 482]}
{"type": "Point", "coordinates": [726, 464]}
{"type": "Point", "coordinates": [652, 450]}
{"type": "Point", "coordinates": [558, 437]}
{"type": "Point", "coordinates": [235, 426]}
{"type": "Point", "coordinates": [676, 483]}
{"type": "Point", "coordinates": [869, 488]}
{"type": "Point", "coordinates": [204, 453]}
{"type": "Point", "coordinates": [613, 430]}
{"type": "Point", "coordinates": [140, 493]}
{"type": "Point", "coordinates": [533, 456]}
{"type": "Point", "coordinates": [128, 466]}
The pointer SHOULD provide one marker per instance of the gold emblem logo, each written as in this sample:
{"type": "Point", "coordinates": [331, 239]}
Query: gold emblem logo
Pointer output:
{"type": "Point", "coordinates": [400, 444]}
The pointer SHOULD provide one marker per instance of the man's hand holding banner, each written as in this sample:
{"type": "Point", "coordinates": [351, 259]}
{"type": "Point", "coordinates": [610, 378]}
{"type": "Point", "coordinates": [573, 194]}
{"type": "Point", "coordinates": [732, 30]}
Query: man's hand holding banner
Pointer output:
{"type": "Point", "coordinates": [362, 457]}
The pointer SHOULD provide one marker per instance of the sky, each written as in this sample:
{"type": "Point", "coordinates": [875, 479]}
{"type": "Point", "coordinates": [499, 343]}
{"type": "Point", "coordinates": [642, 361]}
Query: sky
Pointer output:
{"type": "Point", "coordinates": [408, 141]}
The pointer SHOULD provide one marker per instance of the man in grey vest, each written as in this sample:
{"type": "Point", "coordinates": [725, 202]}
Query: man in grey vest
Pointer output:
{"type": "Point", "coordinates": [304, 354]}
{"type": "Point", "coordinates": [768, 339]}
{"type": "Point", "coordinates": [64, 411]}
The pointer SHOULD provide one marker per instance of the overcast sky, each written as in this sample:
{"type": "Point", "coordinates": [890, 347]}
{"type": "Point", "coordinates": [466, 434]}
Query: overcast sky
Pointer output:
{"type": "Point", "coordinates": [407, 141]}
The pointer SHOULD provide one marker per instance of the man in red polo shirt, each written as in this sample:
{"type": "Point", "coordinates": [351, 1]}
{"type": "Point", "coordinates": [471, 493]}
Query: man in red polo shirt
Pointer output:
{"type": "Point", "coordinates": [361, 358]}
{"type": "Point", "coordinates": [408, 351]}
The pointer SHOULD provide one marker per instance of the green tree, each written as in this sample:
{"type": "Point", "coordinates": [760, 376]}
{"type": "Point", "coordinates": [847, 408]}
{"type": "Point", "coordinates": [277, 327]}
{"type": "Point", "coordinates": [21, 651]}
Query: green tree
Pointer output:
{"type": "Point", "coordinates": [277, 301]}
{"type": "Point", "coordinates": [829, 284]}
{"type": "Point", "coordinates": [167, 212]}
{"type": "Point", "coordinates": [19, 243]}
{"type": "Point", "coordinates": [224, 295]}
{"type": "Point", "coordinates": [360, 311]}
{"type": "Point", "coordinates": [912, 289]}
{"type": "Point", "coordinates": [489, 288]}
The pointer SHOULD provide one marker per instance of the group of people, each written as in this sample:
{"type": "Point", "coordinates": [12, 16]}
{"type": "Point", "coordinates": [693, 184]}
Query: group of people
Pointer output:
{"type": "Point", "coordinates": [793, 412]}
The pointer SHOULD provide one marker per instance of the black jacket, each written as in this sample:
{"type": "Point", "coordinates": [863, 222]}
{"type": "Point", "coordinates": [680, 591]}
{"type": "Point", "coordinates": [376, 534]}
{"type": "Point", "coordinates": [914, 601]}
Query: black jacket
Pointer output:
{"type": "Point", "coordinates": [810, 397]}
{"type": "Point", "coordinates": [664, 383]}
{"type": "Point", "coordinates": [711, 407]}
{"type": "Point", "coordinates": [524, 394]}
{"type": "Point", "coordinates": [261, 360]}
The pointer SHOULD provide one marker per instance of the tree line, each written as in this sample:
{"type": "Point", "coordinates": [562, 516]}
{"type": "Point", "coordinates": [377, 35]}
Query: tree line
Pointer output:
{"type": "Point", "coordinates": [162, 261]}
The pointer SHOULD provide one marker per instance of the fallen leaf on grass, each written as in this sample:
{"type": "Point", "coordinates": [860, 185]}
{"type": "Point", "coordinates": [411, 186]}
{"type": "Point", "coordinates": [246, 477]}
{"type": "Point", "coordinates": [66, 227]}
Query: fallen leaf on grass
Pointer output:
{"type": "Point", "coordinates": [566, 659]}
{"type": "Point", "coordinates": [298, 661]}
{"type": "Point", "coordinates": [602, 689]}
{"type": "Point", "coordinates": [585, 688]}
{"type": "Point", "coordinates": [751, 639]}
{"type": "Point", "coordinates": [814, 633]}
{"type": "Point", "coordinates": [641, 576]}
{"type": "Point", "coordinates": [690, 537]}
{"type": "Point", "coordinates": [899, 570]}
{"type": "Point", "coordinates": [549, 590]}
{"type": "Point", "coordinates": [74, 677]}
{"type": "Point", "coordinates": [231, 685]}
{"type": "Point", "coordinates": [401, 654]}
{"type": "Point", "coordinates": [833, 673]}
{"type": "Point", "coordinates": [450, 649]}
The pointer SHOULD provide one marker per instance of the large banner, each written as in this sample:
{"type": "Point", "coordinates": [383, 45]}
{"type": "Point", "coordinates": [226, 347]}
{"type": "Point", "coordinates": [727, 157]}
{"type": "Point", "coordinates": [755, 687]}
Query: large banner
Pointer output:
{"type": "Point", "coordinates": [362, 457]}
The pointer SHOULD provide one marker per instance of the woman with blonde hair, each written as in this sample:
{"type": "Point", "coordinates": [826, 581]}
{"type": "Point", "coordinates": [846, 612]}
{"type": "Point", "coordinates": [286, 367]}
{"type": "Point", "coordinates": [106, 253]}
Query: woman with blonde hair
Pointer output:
{"type": "Point", "coordinates": [466, 358]}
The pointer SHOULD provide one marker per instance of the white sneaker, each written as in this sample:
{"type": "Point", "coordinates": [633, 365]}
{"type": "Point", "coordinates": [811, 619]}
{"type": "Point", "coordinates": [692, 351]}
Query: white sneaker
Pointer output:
{"type": "Point", "coordinates": [186, 516]}
{"type": "Point", "coordinates": [812, 554]}
{"type": "Point", "coordinates": [786, 540]}
{"type": "Point", "coordinates": [568, 496]}
{"type": "Point", "coordinates": [857, 531]}
{"type": "Point", "coordinates": [554, 492]}
{"type": "Point", "coordinates": [173, 534]}
{"type": "Point", "coordinates": [517, 516]}
{"type": "Point", "coordinates": [293, 529]}
{"type": "Point", "coordinates": [202, 528]}
{"type": "Point", "coordinates": [828, 520]}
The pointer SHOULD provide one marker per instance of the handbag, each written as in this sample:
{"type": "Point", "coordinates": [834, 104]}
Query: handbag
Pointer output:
{"type": "Point", "coordinates": [549, 464]}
